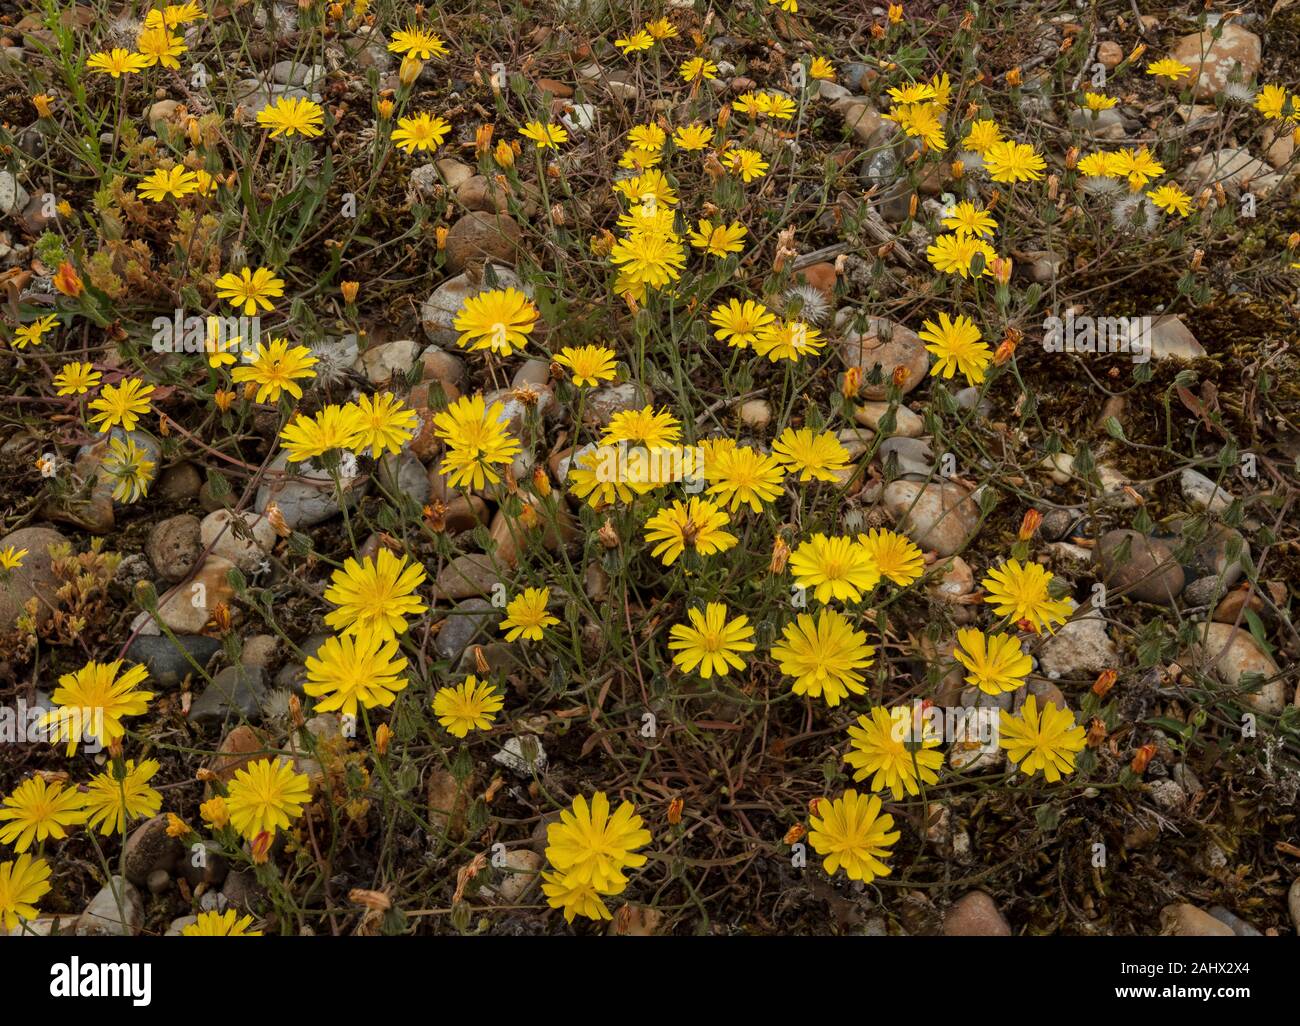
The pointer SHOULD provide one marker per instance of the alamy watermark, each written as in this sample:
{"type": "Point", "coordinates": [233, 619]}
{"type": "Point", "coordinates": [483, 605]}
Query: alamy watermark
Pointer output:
{"type": "Point", "coordinates": [946, 724]}
{"type": "Point", "coordinates": [662, 464]}
{"type": "Point", "coordinates": [1084, 334]}
{"type": "Point", "coordinates": [23, 724]}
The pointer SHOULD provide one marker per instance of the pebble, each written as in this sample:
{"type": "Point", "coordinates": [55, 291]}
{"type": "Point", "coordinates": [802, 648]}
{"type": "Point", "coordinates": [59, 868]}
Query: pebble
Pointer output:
{"type": "Point", "coordinates": [116, 911]}
{"type": "Point", "coordinates": [755, 414]}
{"type": "Point", "coordinates": [179, 483]}
{"type": "Point", "coordinates": [1293, 903]}
{"type": "Point", "coordinates": [35, 578]}
{"type": "Point", "coordinates": [13, 197]}
{"type": "Point", "coordinates": [912, 456]}
{"type": "Point", "coordinates": [603, 403]}
{"type": "Point", "coordinates": [1172, 339]}
{"type": "Point", "coordinates": [478, 236]}
{"type": "Point", "coordinates": [148, 849]}
{"type": "Point", "coordinates": [470, 574]}
{"type": "Point", "coordinates": [1238, 925]}
{"type": "Point", "coordinates": [938, 517]}
{"type": "Point", "coordinates": [522, 756]}
{"type": "Point", "coordinates": [307, 496]}
{"type": "Point", "coordinates": [467, 621]}
{"type": "Point", "coordinates": [1184, 920]}
{"type": "Point", "coordinates": [889, 346]}
{"type": "Point", "coordinates": [166, 659]}
{"type": "Point", "coordinates": [1079, 648]}
{"type": "Point", "coordinates": [957, 581]}
{"type": "Point", "coordinates": [1202, 493]}
{"type": "Point", "coordinates": [174, 546]}
{"type": "Point", "coordinates": [518, 875]}
{"type": "Point", "coordinates": [1145, 570]}
{"type": "Point", "coordinates": [1233, 56]}
{"type": "Point", "coordinates": [245, 544]}
{"type": "Point", "coordinates": [1231, 654]}
{"type": "Point", "coordinates": [906, 423]}
{"type": "Point", "coordinates": [237, 692]}
{"type": "Point", "coordinates": [387, 364]}
{"type": "Point", "coordinates": [187, 608]}
{"type": "Point", "coordinates": [975, 915]}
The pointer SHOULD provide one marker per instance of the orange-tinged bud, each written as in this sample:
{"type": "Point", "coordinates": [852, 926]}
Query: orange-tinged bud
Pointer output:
{"type": "Point", "coordinates": [43, 104]}
{"type": "Point", "coordinates": [607, 535]}
{"type": "Point", "coordinates": [1013, 77]}
{"type": "Point", "coordinates": [795, 834]}
{"type": "Point", "coordinates": [295, 712]}
{"type": "Point", "coordinates": [675, 808]}
{"type": "Point", "coordinates": [1071, 158]}
{"type": "Point", "coordinates": [1097, 733]}
{"type": "Point", "coordinates": [1029, 524]}
{"type": "Point", "coordinates": [349, 290]}
{"type": "Point", "coordinates": [440, 237]}
{"type": "Point", "coordinates": [1142, 758]}
{"type": "Point", "coordinates": [1104, 682]}
{"type": "Point", "coordinates": [276, 519]}
{"type": "Point", "coordinates": [780, 555]}
{"type": "Point", "coordinates": [1004, 352]}
{"type": "Point", "coordinates": [384, 108]}
{"type": "Point", "coordinates": [957, 169]}
{"type": "Point", "coordinates": [1136, 53]}
{"type": "Point", "coordinates": [900, 376]}
{"type": "Point", "coordinates": [852, 382]}
{"type": "Point", "coordinates": [67, 281]}
{"type": "Point", "coordinates": [541, 482]}
{"type": "Point", "coordinates": [261, 848]}
{"type": "Point", "coordinates": [504, 154]}
{"type": "Point", "coordinates": [383, 737]}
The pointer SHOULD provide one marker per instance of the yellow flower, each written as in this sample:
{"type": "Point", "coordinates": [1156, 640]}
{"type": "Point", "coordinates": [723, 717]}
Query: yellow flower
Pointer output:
{"type": "Point", "coordinates": [375, 596]}
{"type": "Point", "coordinates": [697, 524]}
{"type": "Point", "coordinates": [995, 661]}
{"type": "Point", "coordinates": [815, 456]}
{"type": "Point", "coordinates": [821, 68]}
{"type": "Point", "coordinates": [740, 323]}
{"type": "Point", "coordinates": [1020, 592]}
{"type": "Point", "coordinates": [421, 132]}
{"type": "Point", "coordinates": [117, 62]}
{"type": "Point", "coordinates": [897, 750]}
{"type": "Point", "coordinates": [894, 555]}
{"type": "Point", "coordinates": [348, 671]}
{"type": "Point", "coordinates": [982, 135]}
{"type": "Point", "coordinates": [274, 368]}
{"type": "Point", "coordinates": [333, 427]}
{"type": "Point", "coordinates": [120, 794]}
{"type": "Point", "coordinates": [1100, 165]}
{"type": "Point", "coordinates": [956, 254]}
{"type": "Point", "coordinates": [968, 219]}
{"type": "Point", "coordinates": [1138, 166]}
{"type": "Point", "coordinates": [1009, 161]}
{"type": "Point", "coordinates": [661, 28]}
{"type": "Point", "coordinates": [589, 365]}
{"type": "Point", "coordinates": [215, 812]}
{"type": "Point", "coordinates": [546, 136]}
{"type": "Point", "coordinates": [174, 15]}
{"type": "Point", "coordinates": [574, 898]}
{"type": "Point", "coordinates": [383, 423]}
{"type": "Point", "coordinates": [38, 811]}
{"type": "Point", "coordinates": [711, 642]}
{"type": "Point", "coordinates": [498, 319]}
{"type": "Point", "coordinates": [470, 705]}
{"type": "Point", "coordinates": [958, 346]}
{"type": "Point", "coordinates": [749, 164]}
{"type": "Point", "coordinates": [158, 46]}
{"type": "Point", "coordinates": [720, 240]}
{"type": "Point", "coordinates": [93, 701]}
{"type": "Point", "coordinates": [417, 43]}
{"type": "Point", "coordinates": [23, 883]}
{"type": "Point", "coordinates": [291, 115]}
{"type": "Point", "coordinates": [11, 558]}
{"type": "Point", "coordinates": [127, 465]}
{"type": "Point", "coordinates": [477, 439]}
{"type": "Point", "coordinates": [1048, 740]}
{"type": "Point", "coordinates": [1168, 67]}
{"type": "Point", "coordinates": [250, 289]}
{"type": "Point", "coordinates": [1272, 102]}
{"type": "Point", "coordinates": [591, 846]}
{"type": "Point", "coordinates": [698, 69]}
{"type": "Point", "coordinates": [648, 259]}
{"type": "Point", "coordinates": [853, 835]}
{"type": "Point", "coordinates": [33, 334]}
{"type": "Point", "coordinates": [1171, 199]}
{"type": "Point", "coordinates": [739, 474]}
{"type": "Point", "coordinates": [266, 796]}
{"type": "Point", "coordinates": [637, 41]}
{"type": "Point", "coordinates": [220, 924]}
{"type": "Point", "coordinates": [788, 340]}
{"type": "Point", "coordinates": [694, 136]}
{"type": "Point", "coordinates": [921, 121]}
{"type": "Point", "coordinates": [121, 404]}
{"type": "Point", "coordinates": [825, 656]}
{"type": "Point", "coordinates": [836, 568]}
{"type": "Point", "coordinates": [526, 615]}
